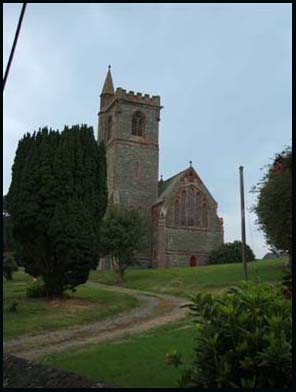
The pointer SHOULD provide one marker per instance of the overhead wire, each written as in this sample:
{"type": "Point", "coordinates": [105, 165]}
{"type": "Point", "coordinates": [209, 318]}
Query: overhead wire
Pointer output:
{"type": "Point", "coordinates": [14, 44]}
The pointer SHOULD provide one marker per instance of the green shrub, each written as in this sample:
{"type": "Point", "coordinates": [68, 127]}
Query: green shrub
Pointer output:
{"type": "Point", "coordinates": [9, 266]}
{"type": "Point", "coordinates": [36, 290]}
{"type": "Point", "coordinates": [244, 339]}
{"type": "Point", "coordinates": [286, 285]}
{"type": "Point", "coordinates": [230, 253]}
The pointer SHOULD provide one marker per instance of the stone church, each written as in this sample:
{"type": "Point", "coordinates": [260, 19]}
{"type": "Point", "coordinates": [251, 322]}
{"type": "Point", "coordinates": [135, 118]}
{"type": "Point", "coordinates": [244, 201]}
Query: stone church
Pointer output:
{"type": "Point", "coordinates": [181, 213]}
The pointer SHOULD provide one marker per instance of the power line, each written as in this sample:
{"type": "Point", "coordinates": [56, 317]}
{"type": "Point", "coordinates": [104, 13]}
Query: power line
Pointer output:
{"type": "Point", "coordinates": [14, 44]}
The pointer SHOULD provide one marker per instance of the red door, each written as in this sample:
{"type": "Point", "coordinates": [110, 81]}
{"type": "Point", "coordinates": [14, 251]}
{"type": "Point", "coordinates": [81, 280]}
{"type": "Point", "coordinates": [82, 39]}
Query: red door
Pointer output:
{"type": "Point", "coordinates": [192, 261]}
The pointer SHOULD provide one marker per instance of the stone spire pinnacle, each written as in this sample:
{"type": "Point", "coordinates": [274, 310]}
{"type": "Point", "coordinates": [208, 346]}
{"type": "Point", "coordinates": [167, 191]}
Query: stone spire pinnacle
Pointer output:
{"type": "Point", "coordinates": [108, 87]}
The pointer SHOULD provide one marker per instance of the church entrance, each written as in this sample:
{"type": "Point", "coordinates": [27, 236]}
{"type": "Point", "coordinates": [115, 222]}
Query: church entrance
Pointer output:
{"type": "Point", "coordinates": [192, 261]}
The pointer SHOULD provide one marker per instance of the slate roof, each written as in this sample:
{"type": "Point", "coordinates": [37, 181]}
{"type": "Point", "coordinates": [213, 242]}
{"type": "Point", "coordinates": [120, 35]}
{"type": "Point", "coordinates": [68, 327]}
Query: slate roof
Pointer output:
{"type": "Point", "coordinates": [165, 187]}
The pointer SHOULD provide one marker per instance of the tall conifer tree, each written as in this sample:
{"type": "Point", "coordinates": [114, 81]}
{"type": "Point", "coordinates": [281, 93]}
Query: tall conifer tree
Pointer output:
{"type": "Point", "coordinates": [57, 199]}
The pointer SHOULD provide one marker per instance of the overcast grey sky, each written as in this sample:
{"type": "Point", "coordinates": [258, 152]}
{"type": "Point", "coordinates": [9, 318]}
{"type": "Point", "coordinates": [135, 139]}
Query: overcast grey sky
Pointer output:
{"type": "Point", "coordinates": [223, 71]}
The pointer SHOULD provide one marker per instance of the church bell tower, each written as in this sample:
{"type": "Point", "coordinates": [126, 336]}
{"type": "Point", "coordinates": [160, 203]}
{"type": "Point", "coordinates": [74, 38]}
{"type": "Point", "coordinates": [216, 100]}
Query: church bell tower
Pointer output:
{"type": "Point", "coordinates": [129, 126]}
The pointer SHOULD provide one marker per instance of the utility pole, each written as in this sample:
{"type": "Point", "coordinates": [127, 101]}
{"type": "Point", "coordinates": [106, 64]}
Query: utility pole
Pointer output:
{"type": "Point", "coordinates": [243, 222]}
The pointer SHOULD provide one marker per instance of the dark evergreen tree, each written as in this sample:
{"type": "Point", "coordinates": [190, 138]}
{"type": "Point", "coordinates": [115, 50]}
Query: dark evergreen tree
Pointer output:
{"type": "Point", "coordinates": [57, 201]}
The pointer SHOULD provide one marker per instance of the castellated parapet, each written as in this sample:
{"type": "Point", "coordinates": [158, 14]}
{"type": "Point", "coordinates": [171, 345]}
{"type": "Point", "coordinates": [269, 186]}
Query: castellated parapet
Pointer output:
{"type": "Point", "coordinates": [146, 99]}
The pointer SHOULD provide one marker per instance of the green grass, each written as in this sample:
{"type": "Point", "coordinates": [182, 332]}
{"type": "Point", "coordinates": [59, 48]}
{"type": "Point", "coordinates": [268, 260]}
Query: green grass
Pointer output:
{"type": "Point", "coordinates": [134, 361]}
{"type": "Point", "coordinates": [185, 281]}
{"type": "Point", "coordinates": [35, 315]}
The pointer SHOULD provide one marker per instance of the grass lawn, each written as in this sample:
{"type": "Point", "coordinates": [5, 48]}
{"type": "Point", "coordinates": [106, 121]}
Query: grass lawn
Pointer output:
{"type": "Point", "coordinates": [36, 315]}
{"type": "Point", "coordinates": [185, 281]}
{"type": "Point", "coordinates": [134, 361]}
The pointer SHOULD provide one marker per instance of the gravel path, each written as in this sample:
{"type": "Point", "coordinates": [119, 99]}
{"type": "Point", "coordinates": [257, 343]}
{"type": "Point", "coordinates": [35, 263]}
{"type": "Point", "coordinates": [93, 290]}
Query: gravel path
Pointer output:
{"type": "Point", "coordinates": [156, 310]}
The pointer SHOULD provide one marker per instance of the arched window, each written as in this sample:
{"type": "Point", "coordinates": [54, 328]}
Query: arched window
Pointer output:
{"type": "Point", "coordinates": [190, 207]}
{"type": "Point", "coordinates": [109, 128]}
{"type": "Point", "coordinates": [177, 212]}
{"type": "Point", "coordinates": [197, 209]}
{"type": "Point", "coordinates": [204, 215]}
{"type": "Point", "coordinates": [138, 123]}
{"type": "Point", "coordinates": [183, 207]}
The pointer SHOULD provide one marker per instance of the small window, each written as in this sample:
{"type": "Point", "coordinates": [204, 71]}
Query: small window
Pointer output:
{"type": "Point", "coordinates": [138, 123]}
{"type": "Point", "coordinates": [109, 128]}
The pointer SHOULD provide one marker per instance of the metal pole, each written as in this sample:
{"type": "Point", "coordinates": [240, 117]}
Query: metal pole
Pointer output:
{"type": "Point", "coordinates": [243, 222]}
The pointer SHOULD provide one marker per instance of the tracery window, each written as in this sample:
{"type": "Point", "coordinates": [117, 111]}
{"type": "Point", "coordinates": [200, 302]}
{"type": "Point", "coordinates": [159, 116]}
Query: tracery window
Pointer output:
{"type": "Point", "coordinates": [190, 207]}
{"type": "Point", "coordinates": [183, 207]}
{"type": "Point", "coordinates": [204, 215]}
{"type": "Point", "coordinates": [197, 209]}
{"type": "Point", "coordinates": [109, 128]}
{"type": "Point", "coordinates": [138, 123]}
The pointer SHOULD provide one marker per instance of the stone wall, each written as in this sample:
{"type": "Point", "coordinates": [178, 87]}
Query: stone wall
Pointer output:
{"type": "Point", "coordinates": [132, 161]}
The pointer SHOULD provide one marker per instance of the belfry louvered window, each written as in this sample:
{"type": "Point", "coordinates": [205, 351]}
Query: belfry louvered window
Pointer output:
{"type": "Point", "coordinates": [138, 124]}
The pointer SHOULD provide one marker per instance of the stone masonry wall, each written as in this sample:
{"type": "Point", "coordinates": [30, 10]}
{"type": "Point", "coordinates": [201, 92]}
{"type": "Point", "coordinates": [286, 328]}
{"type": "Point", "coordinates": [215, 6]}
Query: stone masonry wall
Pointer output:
{"type": "Point", "coordinates": [177, 243]}
{"type": "Point", "coordinates": [132, 161]}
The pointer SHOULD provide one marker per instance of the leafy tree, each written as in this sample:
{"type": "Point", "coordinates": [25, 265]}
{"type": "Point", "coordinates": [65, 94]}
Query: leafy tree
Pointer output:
{"type": "Point", "coordinates": [274, 203]}
{"type": "Point", "coordinates": [57, 198]}
{"type": "Point", "coordinates": [244, 340]}
{"type": "Point", "coordinates": [9, 266]}
{"type": "Point", "coordinates": [230, 253]}
{"type": "Point", "coordinates": [123, 234]}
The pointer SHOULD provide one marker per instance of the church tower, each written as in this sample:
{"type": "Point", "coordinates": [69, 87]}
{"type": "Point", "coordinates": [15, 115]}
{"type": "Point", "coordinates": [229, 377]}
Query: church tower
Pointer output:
{"type": "Point", "coordinates": [128, 124]}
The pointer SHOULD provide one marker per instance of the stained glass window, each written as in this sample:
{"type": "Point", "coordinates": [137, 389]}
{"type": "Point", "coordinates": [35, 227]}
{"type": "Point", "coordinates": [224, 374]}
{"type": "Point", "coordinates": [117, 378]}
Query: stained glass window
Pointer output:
{"type": "Point", "coordinates": [183, 206]}
{"type": "Point", "coordinates": [204, 215]}
{"type": "Point", "coordinates": [197, 209]}
{"type": "Point", "coordinates": [190, 207]}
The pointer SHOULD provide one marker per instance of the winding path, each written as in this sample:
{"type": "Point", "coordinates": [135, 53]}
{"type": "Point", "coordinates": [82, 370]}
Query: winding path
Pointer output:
{"type": "Point", "coordinates": [156, 310]}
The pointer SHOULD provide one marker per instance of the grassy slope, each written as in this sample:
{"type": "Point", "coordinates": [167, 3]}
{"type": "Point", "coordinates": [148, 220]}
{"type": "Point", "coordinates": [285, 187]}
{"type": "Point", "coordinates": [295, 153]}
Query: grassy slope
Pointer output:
{"type": "Point", "coordinates": [33, 315]}
{"type": "Point", "coordinates": [185, 281]}
{"type": "Point", "coordinates": [139, 360]}
{"type": "Point", "coordinates": [135, 361]}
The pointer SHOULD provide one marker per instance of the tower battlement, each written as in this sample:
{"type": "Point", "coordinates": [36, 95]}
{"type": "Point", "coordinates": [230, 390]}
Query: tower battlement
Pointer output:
{"type": "Point", "coordinates": [137, 97]}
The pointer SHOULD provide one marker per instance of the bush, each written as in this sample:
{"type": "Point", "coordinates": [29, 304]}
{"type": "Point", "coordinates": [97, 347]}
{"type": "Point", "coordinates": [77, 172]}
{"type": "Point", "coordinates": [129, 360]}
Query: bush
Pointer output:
{"type": "Point", "coordinates": [230, 252]}
{"type": "Point", "coordinates": [36, 290]}
{"type": "Point", "coordinates": [286, 285]}
{"type": "Point", "coordinates": [244, 339]}
{"type": "Point", "coordinates": [9, 266]}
